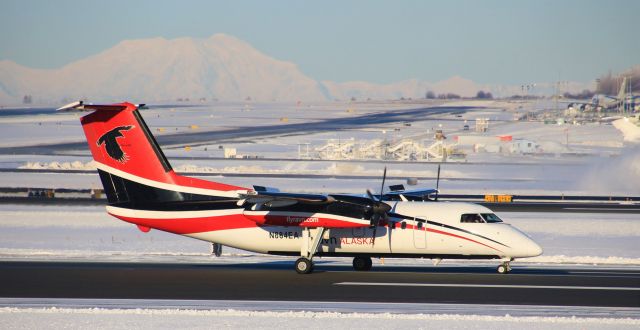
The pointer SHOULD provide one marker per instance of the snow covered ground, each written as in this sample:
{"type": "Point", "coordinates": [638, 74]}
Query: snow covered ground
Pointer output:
{"type": "Point", "coordinates": [140, 318]}
{"type": "Point", "coordinates": [604, 169]}
{"type": "Point", "coordinates": [590, 176]}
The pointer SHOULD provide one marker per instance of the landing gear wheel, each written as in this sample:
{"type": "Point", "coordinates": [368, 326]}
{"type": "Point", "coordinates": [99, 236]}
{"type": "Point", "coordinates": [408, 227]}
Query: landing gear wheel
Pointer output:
{"type": "Point", "coordinates": [304, 266]}
{"type": "Point", "coordinates": [504, 268]}
{"type": "Point", "coordinates": [362, 263]}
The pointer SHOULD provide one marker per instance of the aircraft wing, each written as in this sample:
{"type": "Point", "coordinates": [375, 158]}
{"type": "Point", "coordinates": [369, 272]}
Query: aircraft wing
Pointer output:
{"type": "Point", "coordinates": [276, 199]}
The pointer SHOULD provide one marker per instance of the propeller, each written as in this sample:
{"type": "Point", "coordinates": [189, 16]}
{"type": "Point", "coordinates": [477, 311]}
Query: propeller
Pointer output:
{"type": "Point", "coordinates": [438, 183]}
{"type": "Point", "coordinates": [384, 177]}
{"type": "Point", "coordinates": [379, 208]}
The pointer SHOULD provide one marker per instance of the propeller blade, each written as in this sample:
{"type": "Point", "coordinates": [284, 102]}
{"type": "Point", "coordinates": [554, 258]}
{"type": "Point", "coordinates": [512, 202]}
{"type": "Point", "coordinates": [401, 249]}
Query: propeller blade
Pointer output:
{"type": "Point", "coordinates": [375, 220]}
{"type": "Point", "coordinates": [373, 239]}
{"type": "Point", "coordinates": [438, 182]}
{"type": "Point", "coordinates": [370, 194]}
{"type": "Point", "coordinates": [384, 177]}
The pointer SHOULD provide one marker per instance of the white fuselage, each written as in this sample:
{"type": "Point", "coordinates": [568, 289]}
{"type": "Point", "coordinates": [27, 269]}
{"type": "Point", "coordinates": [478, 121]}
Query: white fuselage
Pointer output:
{"type": "Point", "coordinates": [430, 229]}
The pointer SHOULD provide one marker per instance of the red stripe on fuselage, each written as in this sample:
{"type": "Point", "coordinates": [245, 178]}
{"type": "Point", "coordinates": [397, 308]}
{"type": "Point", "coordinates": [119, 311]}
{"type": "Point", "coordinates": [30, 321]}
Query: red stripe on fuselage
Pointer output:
{"type": "Point", "coordinates": [412, 227]}
{"type": "Point", "coordinates": [193, 225]}
{"type": "Point", "coordinates": [309, 220]}
{"type": "Point", "coordinates": [458, 236]}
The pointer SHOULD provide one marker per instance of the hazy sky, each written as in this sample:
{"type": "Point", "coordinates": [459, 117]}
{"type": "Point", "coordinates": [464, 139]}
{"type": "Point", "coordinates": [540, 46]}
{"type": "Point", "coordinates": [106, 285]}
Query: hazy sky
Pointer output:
{"type": "Point", "coordinates": [503, 42]}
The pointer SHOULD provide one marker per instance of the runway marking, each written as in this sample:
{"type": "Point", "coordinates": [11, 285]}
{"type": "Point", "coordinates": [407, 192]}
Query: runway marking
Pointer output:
{"type": "Point", "coordinates": [506, 286]}
{"type": "Point", "coordinates": [599, 209]}
{"type": "Point", "coordinates": [606, 273]}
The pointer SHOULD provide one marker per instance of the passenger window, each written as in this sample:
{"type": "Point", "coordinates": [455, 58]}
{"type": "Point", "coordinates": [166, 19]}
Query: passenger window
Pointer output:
{"type": "Point", "coordinates": [403, 225]}
{"type": "Point", "coordinates": [491, 218]}
{"type": "Point", "coordinates": [471, 218]}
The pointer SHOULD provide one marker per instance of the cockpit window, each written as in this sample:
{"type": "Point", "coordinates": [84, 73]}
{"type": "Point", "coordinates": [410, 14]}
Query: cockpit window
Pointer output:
{"type": "Point", "coordinates": [480, 218]}
{"type": "Point", "coordinates": [471, 218]}
{"type": "Point", "coordinates": [491, 218]}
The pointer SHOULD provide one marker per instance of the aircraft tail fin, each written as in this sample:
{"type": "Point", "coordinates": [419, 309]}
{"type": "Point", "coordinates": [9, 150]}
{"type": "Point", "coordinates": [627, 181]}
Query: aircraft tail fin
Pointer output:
{"type": "Point", "coordinates": [623, 89]}
{"type": "Point", "coordinates": [133, 169]}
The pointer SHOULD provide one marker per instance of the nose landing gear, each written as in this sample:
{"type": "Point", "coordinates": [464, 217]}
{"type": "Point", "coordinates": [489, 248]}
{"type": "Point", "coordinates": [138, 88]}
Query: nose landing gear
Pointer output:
{"type": "Point", "coordinates": [504, 268]}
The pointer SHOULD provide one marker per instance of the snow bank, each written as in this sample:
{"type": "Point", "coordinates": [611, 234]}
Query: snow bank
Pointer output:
{"type": "Point", "coordinates": [583, 260]}
{"type": "Point", "coordinates": [629, 129]}
{"type": "Point", "coordinates": [77, 165]}
{"type": "Point", "coordinates": [81, 318]}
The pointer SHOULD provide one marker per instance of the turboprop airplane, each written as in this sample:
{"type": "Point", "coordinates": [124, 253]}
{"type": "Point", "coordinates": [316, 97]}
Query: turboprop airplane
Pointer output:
{"type": "Point", "coordinates": [142, 189]}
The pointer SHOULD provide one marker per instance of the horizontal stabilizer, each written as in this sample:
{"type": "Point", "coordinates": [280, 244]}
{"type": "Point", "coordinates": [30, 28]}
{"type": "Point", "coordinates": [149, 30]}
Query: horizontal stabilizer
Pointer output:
{"type": "Point", "coordinates": [80, 105]}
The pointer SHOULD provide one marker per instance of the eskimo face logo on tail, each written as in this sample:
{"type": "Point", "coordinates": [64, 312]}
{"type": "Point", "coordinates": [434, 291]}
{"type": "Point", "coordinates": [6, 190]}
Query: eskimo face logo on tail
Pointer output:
{"type": "Point", "coordinates": [111, 144]}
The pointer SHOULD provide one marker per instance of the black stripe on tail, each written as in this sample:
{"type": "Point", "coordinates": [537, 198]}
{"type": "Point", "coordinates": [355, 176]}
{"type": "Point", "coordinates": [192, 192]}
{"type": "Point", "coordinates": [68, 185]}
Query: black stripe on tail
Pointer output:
{"type": "Point", "coordinates": [129, 194]}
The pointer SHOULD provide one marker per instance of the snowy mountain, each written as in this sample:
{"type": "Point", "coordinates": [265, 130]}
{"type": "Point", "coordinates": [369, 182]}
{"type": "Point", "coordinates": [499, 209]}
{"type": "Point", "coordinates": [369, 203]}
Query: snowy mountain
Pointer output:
{"type": "Point", "coordinates": [158, 69]}
{"type": "Point", "coordinates": [220, 67]}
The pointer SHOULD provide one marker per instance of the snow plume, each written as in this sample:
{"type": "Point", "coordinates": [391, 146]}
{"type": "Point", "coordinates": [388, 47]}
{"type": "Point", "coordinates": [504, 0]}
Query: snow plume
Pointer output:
{"type": "Point", "coordinates": [615, 175]}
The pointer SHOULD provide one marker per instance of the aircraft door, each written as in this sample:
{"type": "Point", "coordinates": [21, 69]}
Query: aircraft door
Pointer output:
{"type": "Point", "coordinates": [420, 233]}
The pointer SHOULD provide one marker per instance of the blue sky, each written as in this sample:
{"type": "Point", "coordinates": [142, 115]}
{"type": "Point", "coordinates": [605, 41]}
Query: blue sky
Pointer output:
{"type": "Point", "coordinates": [502, 42]}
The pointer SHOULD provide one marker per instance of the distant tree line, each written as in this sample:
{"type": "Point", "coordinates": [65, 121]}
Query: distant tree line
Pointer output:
{"type": "Point", "coordinates": [482, 95]}
{"type": "Point", "coordinates": [430, 95]}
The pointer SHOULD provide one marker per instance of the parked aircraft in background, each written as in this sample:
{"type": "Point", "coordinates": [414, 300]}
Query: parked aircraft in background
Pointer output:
{"type": "Point", "coordinates": [600, 102]}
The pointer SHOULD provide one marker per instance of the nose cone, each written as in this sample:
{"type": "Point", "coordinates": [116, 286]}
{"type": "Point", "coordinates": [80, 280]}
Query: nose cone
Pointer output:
{"type": "Point", "coordinates": [534, 250]}
{"type": "Point", "coordinates": [528, 248]}
{"type": "Point", "coordinates": [523, 246]}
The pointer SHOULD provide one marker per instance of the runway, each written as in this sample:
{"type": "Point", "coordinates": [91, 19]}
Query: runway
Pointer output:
{"type": "Point", "coordinates": [251, 132]}
{"type": "Point", "coordinates": [276, 281]}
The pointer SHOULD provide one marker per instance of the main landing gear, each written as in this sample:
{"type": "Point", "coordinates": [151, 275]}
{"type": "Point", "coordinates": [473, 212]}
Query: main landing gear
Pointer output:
{"type": "Point", "coordinates": [504, 268]}
{"type": "Point", "coordinates": [304, 264]}
{"type": "Point", "coordinates": [362, 263]}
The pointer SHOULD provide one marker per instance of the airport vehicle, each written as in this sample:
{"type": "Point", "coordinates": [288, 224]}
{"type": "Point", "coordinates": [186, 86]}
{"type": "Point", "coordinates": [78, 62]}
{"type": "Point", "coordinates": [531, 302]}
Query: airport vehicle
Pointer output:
{"type": "Point", "coordinates": [143, 189]}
